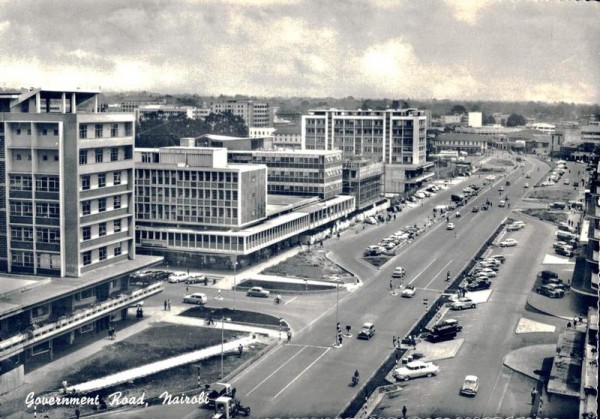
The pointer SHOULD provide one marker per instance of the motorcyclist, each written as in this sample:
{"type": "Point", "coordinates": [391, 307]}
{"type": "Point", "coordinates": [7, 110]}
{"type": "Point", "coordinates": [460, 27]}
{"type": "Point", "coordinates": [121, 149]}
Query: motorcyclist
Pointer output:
{"type": "Point", "coordinates": [448, 276]}
{"type": "Point", "coordinates": [355, 378]}
{"type": "Point", "coordinates": [278, 299]}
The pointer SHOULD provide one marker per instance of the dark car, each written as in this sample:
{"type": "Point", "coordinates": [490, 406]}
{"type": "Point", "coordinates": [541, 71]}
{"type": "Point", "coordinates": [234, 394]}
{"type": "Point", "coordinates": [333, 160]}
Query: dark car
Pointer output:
{"type": "Point", "coordinates": [367, 331]}
{"type": "Point", "coordinates": [479, 285]}
{"type": "Point", "coordinates": [547, 274]}
{"type": "Point", "coordinates": [549, 291]}
{"type": "Point", "coordinates": [149, 276]}
{"type": "Point", "coordinates": [555, 281]}
{"type": "Point", "coordinates": [475, 209]}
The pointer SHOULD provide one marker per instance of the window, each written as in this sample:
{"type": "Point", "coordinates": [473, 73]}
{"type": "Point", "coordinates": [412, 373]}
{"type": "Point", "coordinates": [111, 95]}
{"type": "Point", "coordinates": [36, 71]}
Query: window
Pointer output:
{"type": "Point", "coordinates": [128, 129]}
{"type": "Point", "coordinates": [117, 178]}
{"type": "Point", "coordinates": [114, 130]}
{"type": "Point", "coordinates": [86, 294]}
{"type": "Point", "coordinates": [56, 132]}
{"type": "Point", "coordinates": [83, 156]}
{"type": "Point", "coordinates": [114, 154]}
{"type": "Point", "coordinates": [83, 131]}
{"type": "Point", "coordinates": [44, 131]}
{"type": "Point", "coordinates": [101, 180]}
{"type": "Point", "coordinates": [102, 229]}
{"type": "Point", "coordinates": [99, 155]}
{"type": "Point", "coordinates": [117, 250]}
{"type": "Point", "coordinates": [117, 202]}
{"type": "Point", "coordinates": [87, 259]}
{"type": "Point", "coordinates": [117, 226]}
{"type": "Point", "coordinates": [85, 183]}
{"type": "Point", "coordinates": [101, 204]}
{"type": "Point", "coordinates": [86, 208]}
{"type": "Point", "coordinates": [45, 157]}
{"type": "Point", "coordinates": [102, 253]}
{"type": "Point", "coordinates": [98, 130]}
{"type": "Point", "coordinates": [86, 233]}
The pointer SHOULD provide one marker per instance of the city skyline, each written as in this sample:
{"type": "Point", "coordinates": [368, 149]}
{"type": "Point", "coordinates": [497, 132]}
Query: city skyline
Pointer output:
{"type": "Point", "coordinates": [470, 50]}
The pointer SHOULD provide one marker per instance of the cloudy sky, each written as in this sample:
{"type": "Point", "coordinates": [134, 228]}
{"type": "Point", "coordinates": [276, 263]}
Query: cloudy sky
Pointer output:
{"type": "Point", "coordinates": [545, 50]}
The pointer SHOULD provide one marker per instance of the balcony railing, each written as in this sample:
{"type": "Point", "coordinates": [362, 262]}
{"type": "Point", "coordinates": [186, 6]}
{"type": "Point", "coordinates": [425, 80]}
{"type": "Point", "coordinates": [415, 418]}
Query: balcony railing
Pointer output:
{"type": "Point", "coordinates": [15, 344]}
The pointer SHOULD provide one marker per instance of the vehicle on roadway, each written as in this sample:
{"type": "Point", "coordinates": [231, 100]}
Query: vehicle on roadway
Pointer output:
{"type": "Point", "coordinates": [216, 390]}
{"type": "Point", "coordinates": [463, 303]}
{"type": "Point", "coordinates": [483, 284]}
{"type": "Point", "coordinates": [196, 298]}
{"type": "Point", "coordinates": [508, 243]}
{"type": "Point", "coordinates": [526, 185]}
{"type": "Point", "coordinates": [450, 322]}
{"type": "Point", "coordinates": [416, 369]}
{"type": "Point", "coordinates": [470, 386]}
{"type": "Point", "coordinates": [450, 226]}
{"type": "Point", "coordinates": [502, 203]}
{"type": "Point", "coordinates": [258, 292]}
{"type": "Point", "coordinates": [545, 275]}
{"type": "Point", "coordinates": [176, 277]}
{"type": "Point", "coordinates": [195, 279]}
{"type": "Point", "coordinates": [399, 272]}
{"type": "Point", "coordinates": [501, 258]}
{"type": "Point", "coordinates": [367, 331]}
{"type": "Point", "coordinates": [567, 182]}
{"type": "Point", "coordinates": [501, 188]}
{"type": "Point", "coordinates": [549, 291]}
{"type": "Point", "coordinates": [475, 209]}
{"type": "Point", "coordinates": [564, 252]}
{"type": "Point", "coordinates": [409, 292]}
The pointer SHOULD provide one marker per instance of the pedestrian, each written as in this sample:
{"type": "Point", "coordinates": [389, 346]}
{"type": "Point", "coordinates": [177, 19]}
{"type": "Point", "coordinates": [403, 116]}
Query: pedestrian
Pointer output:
{"type": "Point", "coordinates": [187, 289]}
{"type": "Point", "coordinates": [533, 396]}
{"type": "Point", "coordinates": [165, 305]}
{"type": "Point", "coordinates": [391, 285]}
{"type": "Point", "coordinates": [403, 412]}
{"type": "Point", "coordinates": [394, 341]}
{"type": "Point", "coordinates": [289, 335]}
{"type": "Point", "coordinates": [568, 325]}
{"type": "Point", "coordinates": [168, 305]}
{"type": "Point", "coordinates": [77, 413]}
{"type": "Point", "coordinates": [240, 350]}
{"type": "Point", "coordinates": [574, 321]}
{"type": "Point", "coordinates": [397, 357]}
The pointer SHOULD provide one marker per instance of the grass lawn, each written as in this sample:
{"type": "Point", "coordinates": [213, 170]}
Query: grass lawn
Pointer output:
{"type": "Point", "coordinates": [238, 316]}
{"type": "Point", "coordinates": [563, 195]}
{"type": "Point", "coordinates": [555, 217]}
{"type": "Point", "coordinates": [377, 261]}
{"type": "Point", "coordinates": [499, 162]}
{"type": "Point", "coordinates": [312, 264]}
{"type": "Point", "coordinates": [157, 343]}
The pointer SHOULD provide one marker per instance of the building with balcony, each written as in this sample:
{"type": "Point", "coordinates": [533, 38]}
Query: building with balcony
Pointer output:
{"type": "Point", "coordinates": [395, 137]}
{"type": "Point", "coordinates": [66, 223]}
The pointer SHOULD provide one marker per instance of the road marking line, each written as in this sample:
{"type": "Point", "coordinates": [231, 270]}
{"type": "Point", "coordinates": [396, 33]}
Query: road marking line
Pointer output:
{"type": "Point", "coordinates": [289, 301]}
{"type": "Point", "coordinates": [308, 346]}
{"type": "Point", "coordinates": [251, 367]}
{"type": "Point", "coordinates": [423, 270]}
{"type": "Point", "coordinates": [275, 372]}
{"type": "Point", "coordinates": [324, 313]}
{"type": "Point", "coordinates": [441, 270]}
{"type": "Point", "coordinates": [505, 390]}
{"type": "Point", "coordinates": [302, 373]}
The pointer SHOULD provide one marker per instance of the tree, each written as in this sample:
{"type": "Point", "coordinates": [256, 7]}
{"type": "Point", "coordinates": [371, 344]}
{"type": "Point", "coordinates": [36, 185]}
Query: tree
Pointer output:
{"type": "Point", "coordinates": [400, 104]}
{"type": "Point", "coordinates": [488, 119]}
{"type": "Point", "coordinates": [458, 110]}
{"type": "Point", "coordinates": [515, 120]}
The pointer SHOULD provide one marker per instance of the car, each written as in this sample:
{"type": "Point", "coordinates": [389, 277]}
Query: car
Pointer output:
{"type": "Point", "coordinates": [488, 266]}
{"type": "Point", "coordinates": [528, 176]}
{"type": "Point", "coordinates": [450, 322]}
{"type": "Point", "coordinates": [149, 276]}
{"type": "Point", "coordinates": [501, 188]}
{"type": "Point", "coordinates": [409, 292]}
{"type": "Point", "coordinates": [470, 386]}
{"type": "Point", "coordinates": [258, 292]}
{"type": "Point", "coordinates": [501, 258]}
{"type": "Point", "coordinates": [483, 284]}
{"type": "Point", "coordinates": [450, 226]}
{"type": "Point", "coordinates": [478, 273]}
{"type": "Point", "coordinates": [514, 227]}
{"type": "Point", "coordinates": [547, 274]}
{"type": "Point", "coordinates": [564, 252]}
{"type": "Point", "coordinates": [508, 243]}
{"type": "Point", "coordinates": [475, 209]}
{"type": "Point", "coordinates": [195, 298]}
{"type": "Point", "coordinates": [176, 277]}
{"type": "Point", "coordinates": [463, 303]}
{"type": "Point", "coordinates": [457, 215]}
{"type": "Point", "coordinates": [526, 185]}
{"type": "Point", "coordinates": [502, 203]}
{"type": "Point", "coordinates": [567, 182]}
{"type": "Point", "coordinates": [399, 272]}
{"type": "Point", "coordinates": [492, 261]}
{"type": "Point", "coordinates": [371, 220]}
{"type": "Point", "coordinates": [416, 369]}
{"type": "Point", "coordinates": [195, 279]}
{"type": "Point", "coordinates": [550, 292]}
{"type": "Point", "coordinates": [217, 390]}
{"type": "Point", "coordinates": [555, 281]}
{"type": "Point", "coordinates": [367, 331]}
{"type": "Point", "coordinates": [557, 285]}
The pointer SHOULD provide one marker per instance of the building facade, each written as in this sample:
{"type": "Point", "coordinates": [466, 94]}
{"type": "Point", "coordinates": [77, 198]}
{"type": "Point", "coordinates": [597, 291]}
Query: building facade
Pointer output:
{"type": "Point", "coordinates": [69, 181]}
{"type": "Point", "coordinates": [256, 114]}
{"type": "Point", "coordinates": [470, 143]}
{"type": "Point", "coordinates": [363, 179]}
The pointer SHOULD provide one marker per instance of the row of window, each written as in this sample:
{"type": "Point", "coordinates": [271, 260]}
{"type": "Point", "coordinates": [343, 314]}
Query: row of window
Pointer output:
{"type": "Point", "coordinates": [42, 183]}
{"type": "Point", "coordinates": [86, 206]}
{"type": "Point", "coordinates": [100, 131]}
{"type": "Point", "coordinates": [43, 260]}
{"type": "Point", "coordinates": [27, 156]}
{"type": "Point", "coordinates": [102, 254]}
{"type": "Point", "coordinates": [86, 232]}
{"type": "Point", "coordinates": [169, 177]}
{"type": "Point", "coordinates": [99, 155]}
{"type": "Point", "coordinates": [172, 212]}
{"type": "Point", "coordinates": [86, 180]}
{"type": "Point", "coordinates": [43, 235]}
{"type": "Point", "coordinates": [187, 193]}
{"type": "Point", "coordinates": [43, 131]}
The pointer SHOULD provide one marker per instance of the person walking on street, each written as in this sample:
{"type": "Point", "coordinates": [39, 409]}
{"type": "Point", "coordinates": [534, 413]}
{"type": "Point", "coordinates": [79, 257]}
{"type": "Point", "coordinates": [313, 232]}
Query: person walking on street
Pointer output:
{"type": "Point", "coordinates": [165, 305]}
{"type": "Point", "coordinates": [403, 412]}
{"type": "Point", "coordinates": [168, 305]}
{"type": "Point", "coordinates": [394, 341]}
{"type": "Point", "coordinates": [533, 396]}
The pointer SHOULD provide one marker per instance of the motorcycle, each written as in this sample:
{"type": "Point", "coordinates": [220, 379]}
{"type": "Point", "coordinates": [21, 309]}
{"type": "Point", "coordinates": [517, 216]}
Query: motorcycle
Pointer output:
{"type": "Point", "coordinates": [278, 300]}
{"type": "Point", "coordinates": [355, 380]}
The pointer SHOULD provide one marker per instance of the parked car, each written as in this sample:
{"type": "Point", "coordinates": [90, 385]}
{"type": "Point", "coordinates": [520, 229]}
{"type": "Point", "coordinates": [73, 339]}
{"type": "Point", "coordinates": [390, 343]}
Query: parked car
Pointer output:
{"type": "Point", "coordinates": [258, 292]}
{"type": "Point", "coordinates": [463, 303]}
{"type": "Point", "coordinates": [196, 298]}
{"type": "Point", "coordinates": [479, 285]}
{"type": "Point", "coordinates": [490, 273]}
{"type": "Point", "coordinates": [501, 258]}
{"type": "Point", "coordinates": [567, 182]}
{"type": "Point", "coordinates": [367, 331]}
{"type": "Point", "coordinates": [399, 272]}
{"type": "Point", "coordinates": [564, 252]}
{"type": "Point", "coordinates": [195, 279]}
{"type": "Point", "coordinates": [371, 220]}
{"type": "Point", "coordinates": [470, 386]}
{"type": "Point", "coordinates": [176, 277]}
{"type": "Point", "coordinates": [450, 322]}
{"type": "Point", "coordinates": [547, 274]}
{"type": "Point", "coordinates": [450, 226]}
{"type": "Point", "coordinates": [550, 292]}
{"type": "Point", "coordinates": [556, 281]}
{"type": "Point", "coordinates": [409, 292]}
{"type": "Point", "coordinates": [508, 243]}
{"type": "Point", "coordinates": [416, 369]}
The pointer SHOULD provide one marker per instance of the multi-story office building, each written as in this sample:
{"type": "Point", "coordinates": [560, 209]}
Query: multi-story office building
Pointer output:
{"type": "Point", "coordinates": [165, 111]}
{"type": "Point", "coordinates": [67, 215]}
{"type": "Point", "coordinates": [297, 172]}
{"type": "Point", "coordinates": [470, 143]}
{"type": "Point", "coordinates": [69, 178]}
{"type": "Point", "coordinates": [195, 207]}
{"type": "Point", "coordinates": [395, 137]}
{"type": "Point", "coordinates": [256, 114]}
{"type": "Point", "coordinates": [591, 133]}
{"type": "Point", "coordinates": [363, 179]}
{"type": "Point", "coordinates": [475, 119]}
{"type": "Point", "coordinates": [131, 104]}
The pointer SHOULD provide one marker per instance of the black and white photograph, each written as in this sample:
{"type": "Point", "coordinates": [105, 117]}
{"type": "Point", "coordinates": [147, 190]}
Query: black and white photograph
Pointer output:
{"type": "Point", "coordinates": [212, 209]}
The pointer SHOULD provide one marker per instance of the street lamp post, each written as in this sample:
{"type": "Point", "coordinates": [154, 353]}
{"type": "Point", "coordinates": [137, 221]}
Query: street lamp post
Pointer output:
{"type": "Point", "coordinates": [222, 344]}
{"type": "Point", "coordinates": [234, 283]}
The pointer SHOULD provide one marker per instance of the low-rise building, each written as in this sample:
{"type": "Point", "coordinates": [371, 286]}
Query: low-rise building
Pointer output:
{"type": "Point", "coordinates": [470, 143]}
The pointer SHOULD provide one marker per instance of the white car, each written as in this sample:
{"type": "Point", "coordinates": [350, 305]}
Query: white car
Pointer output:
{"type": "Point", "coordinates": [416, 369]}
{"type": "Point", "coordinates": [508, 243]}
{"type": "Point", "coordinates": [526, 185]}
{"type": "Point", "coordinates": [470, 386]}
{"type": "Point", "coordinates": [196, 298]}
{"type": "Point", "coordinates": [176, 277]}
{"type": "Point", "coordinates": [488, 273]}
{"type": "Point", "coordinates": [463, 303]}
{"type": "Point", "coordinates": [399, 272]}
{"type": "Point", "coordinates": [450, 226]}
{"type": "Point", "coordinates": [409, 292]}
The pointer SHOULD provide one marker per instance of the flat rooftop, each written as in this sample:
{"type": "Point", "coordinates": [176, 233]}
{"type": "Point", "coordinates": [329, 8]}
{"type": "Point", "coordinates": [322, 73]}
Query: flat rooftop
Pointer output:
{"type": "Point", "coordinates": [280, 203]}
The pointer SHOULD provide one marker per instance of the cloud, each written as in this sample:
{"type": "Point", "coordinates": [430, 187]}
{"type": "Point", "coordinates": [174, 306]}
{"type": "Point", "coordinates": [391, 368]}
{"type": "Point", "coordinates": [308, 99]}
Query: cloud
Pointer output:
{"type": "Point", "coordinates": [467, 10]}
